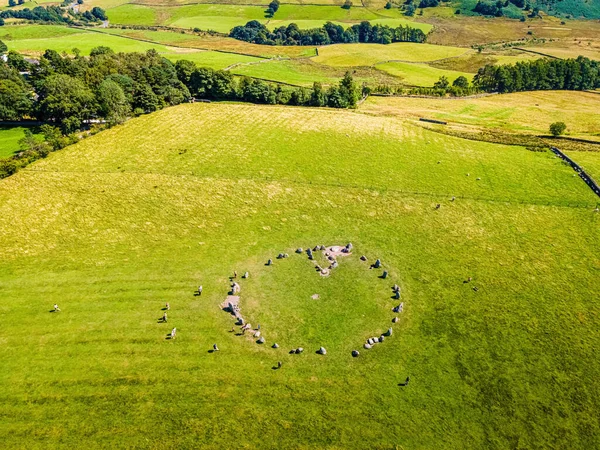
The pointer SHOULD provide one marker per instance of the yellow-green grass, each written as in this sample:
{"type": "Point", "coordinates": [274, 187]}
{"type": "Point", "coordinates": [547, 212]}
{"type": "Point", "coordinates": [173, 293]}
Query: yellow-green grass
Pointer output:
{"type": "Point", "coordinates": [348, 55]}
{"type": "Point", "coordinates": [592, 52]}
{"type": "Point", "coordinates": [86, 41]}
{"type": "Point", "coordinates": [214, 43]}
{"type": "Point", "coordinates": [305, 72]}
{"type": "Point", "coordinates": [589, 161]}
{"type": "Point", "coordinates": [223, 17]}
{"type": "Point", "coordinates": [130, 14]}
{"type": "Point", "coordinates": [420, 74]}
{"type": "Point", "coordinates": [530, 112]}
{"type": "Point", "coordinates": [119, 224]}
{"type": "Point", "coordinates": [18, 32]}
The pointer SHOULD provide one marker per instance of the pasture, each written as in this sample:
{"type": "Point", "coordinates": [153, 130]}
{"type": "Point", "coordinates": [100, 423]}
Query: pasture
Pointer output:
{"type": "Point", "coordinates": [522, 112]}
{"type": "Point", "coordinates": [348, 55]}
{"type": "Point", "coordinates": [26, 42]}
{"type": "Point", "coordinates": [115, 226]}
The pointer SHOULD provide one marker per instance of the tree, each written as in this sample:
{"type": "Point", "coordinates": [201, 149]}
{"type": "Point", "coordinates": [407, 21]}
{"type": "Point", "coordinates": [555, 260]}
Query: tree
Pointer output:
{"type": "Point", "coordinates": [442, 83]}
{"type": "Point", "coordinates": [388, 5]}
{"type": "Point", "coordinates": [1, 21]}
{"type": "Point", "coordinates": [12, 3]}
{"type": "Point", "coordinates": [273, 7]}
{"type": "Point", "coordinates": [185, 69]}
{"type": "Point", "coordinates": [461, 82]}
{"type": "Point", "coordinates": [558, 128]}
{"type": "Point", "coordinates": [16, 100]}
{"type": "Point", "coordinates": [3, 48]}
{"type": "Point", "coordinates": [66, 101]}
{"type": "Point", "coordinates": [113, 103]}
{"type": "Point", "coordinates": [347, 4]}
{"type": "Point", "coordinates": [349, 90]}
{"type": "Point", "coordinates": [99, 13]}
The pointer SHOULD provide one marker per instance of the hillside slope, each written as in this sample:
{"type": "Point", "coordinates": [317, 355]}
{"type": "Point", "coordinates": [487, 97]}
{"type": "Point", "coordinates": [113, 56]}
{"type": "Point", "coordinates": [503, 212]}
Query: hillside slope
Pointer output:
{"type": "Point", "coordinates": [139, 215]}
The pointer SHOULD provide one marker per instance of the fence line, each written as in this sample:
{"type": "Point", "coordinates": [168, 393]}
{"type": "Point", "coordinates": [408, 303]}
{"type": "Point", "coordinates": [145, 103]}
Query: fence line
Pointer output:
{"type": "Point", "coordinates": [577, 168]}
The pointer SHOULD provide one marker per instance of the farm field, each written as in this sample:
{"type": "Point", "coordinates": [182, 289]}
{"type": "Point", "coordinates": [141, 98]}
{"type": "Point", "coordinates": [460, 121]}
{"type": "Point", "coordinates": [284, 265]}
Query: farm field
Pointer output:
{"type": "Point", "coordinates": [420, 74]}
{"type": "Point", "coordinates": [85, 41]}
{"type": "Point", "coordinates": [347, 55]}
{"type": "Point", "coordinates": [223, 17]}
{"type": "Point", "coordinates": [304, 72]}
{"type": "Point", "coordinates": [523, 112]}
{"type": "Point", "coordinates": [139, 215]}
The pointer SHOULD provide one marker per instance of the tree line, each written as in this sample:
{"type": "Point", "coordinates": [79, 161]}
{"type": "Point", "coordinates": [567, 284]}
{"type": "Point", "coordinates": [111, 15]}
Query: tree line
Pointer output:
{"type": "Point", "coordinates": [54, 14]}
{"type": "Point", "coordinates": [542, 74]}
{"type": "Point", "coordinates": [330, 33]}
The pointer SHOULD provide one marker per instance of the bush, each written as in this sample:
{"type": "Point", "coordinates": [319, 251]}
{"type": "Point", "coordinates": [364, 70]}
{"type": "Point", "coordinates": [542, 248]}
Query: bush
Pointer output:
{"type": "Point", "coordinates": [558, 128]}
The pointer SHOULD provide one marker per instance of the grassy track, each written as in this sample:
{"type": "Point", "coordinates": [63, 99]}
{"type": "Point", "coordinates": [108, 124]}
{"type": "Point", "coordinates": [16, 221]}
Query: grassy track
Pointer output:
{"type": "Point", "coordinates": [115, 226]}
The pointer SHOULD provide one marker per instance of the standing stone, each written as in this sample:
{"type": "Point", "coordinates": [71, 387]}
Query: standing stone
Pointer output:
{"type": "Point", "coordinates": [270, 262]}
{"type": "Point", "coordinates": [246, 275]}
{"type": "Point", "coordinates": [367, 346]}
{"type": "Point", "coordinates": [261, 340]}
{"type": "Point", "coordinates": [257, 334]}
{"type": "Point", "coordinates": [395, 320]}
{"type": "Point", "coordinates": [275, 345]}
{"type": "Point", "coordinates": [370, 341]}
{"type": "Point", "coordinates": [299, 250]}
{"type": "Point", "coordinates": [355, 353]}
{"type": "Point", "coordinates": [397, 295]}
{"type": "Point", "coordinates": [385, 274]}
{"type": "Point", "coordinates": [322, 351]}
{"type": "Point", "coordinates": [375, 340]}
{"type": "Point", "coordinates": [363, 258]}
{"type": "Point", "coordinates": [299, 350]}
{"type": "Point", "coordinates": [390, 331]}
{"type": "Point", "coordinates": [349, 246]}
{"type": "Point", "coordinates": [377, 264]}
{"type": "Point", "coordinates": [381, 338]}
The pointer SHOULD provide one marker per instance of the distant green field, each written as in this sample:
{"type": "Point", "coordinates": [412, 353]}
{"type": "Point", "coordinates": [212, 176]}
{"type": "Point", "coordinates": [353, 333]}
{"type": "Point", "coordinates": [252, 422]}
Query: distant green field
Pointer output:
{"type": "Point", "coordinates": [305, 73]}
{"type": "Point", "coordinates": [86, 41]}
{"type": "Point", "coordinates": [115, 226]}
{"type": "Point", "coordinates": [19, 32]}
{"type": "Point", "coordinates": [130, 14]}
{"type": "Point", "coordinates": [420, 74]}
{"type": "Point", "coordinates": [348, 55]}
{"type": "Point", "coordinates": [223, 17]}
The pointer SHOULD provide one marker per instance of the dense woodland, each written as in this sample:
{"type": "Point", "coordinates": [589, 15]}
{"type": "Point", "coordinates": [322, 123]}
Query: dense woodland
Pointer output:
{"type": "Point", "coordinates": [330, 33]}
{"type": "Point", "coordinates": [542, 74]}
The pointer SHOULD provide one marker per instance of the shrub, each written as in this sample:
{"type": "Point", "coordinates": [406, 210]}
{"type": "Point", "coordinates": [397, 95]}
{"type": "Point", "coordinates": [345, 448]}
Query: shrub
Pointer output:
{"type": "Point", "coordinates": [558, 128]}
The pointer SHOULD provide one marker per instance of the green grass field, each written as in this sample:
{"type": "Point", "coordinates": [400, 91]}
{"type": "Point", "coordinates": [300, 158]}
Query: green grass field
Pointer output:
{"type": "Point", "coordinates": [9, 140]}
{"type": "Point", "coordinates": [223, 17]}
{"type": "Point", "coordinates": [85, 41]}
{"type": "Point", "coordinates": [420, 74]}
{"type": "Point", "coordinates": [139, 215]}
{"type": "Point", "coordinates": [347, 55]}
